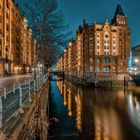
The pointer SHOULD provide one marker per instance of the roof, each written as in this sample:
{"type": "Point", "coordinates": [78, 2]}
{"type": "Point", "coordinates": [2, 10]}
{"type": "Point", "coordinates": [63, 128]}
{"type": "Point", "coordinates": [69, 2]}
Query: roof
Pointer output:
{"type": "Point", "coordinates": [119, 11]}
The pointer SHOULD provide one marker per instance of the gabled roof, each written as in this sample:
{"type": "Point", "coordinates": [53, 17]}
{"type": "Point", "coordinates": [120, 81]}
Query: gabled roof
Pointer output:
{"type": "Point", "coordinates": [119, 11]}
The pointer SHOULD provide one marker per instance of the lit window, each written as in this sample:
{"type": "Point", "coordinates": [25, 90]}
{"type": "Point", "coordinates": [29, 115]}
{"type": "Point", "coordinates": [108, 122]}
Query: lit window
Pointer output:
{"type": "Point", "coordinates": [91, 68]}
{"type": "Point", "coordinates": [98, 68]}
{"type": "Point", "coordinates": [98, 47]}
{"type": "Point", "coordinates": [106, 60]}
{"type": "Point", "coordinates": [106, 68]}
{"type": "Point", "coordinates": [91, 60]}
{"type": "Point", "coordinates": [98, 60]}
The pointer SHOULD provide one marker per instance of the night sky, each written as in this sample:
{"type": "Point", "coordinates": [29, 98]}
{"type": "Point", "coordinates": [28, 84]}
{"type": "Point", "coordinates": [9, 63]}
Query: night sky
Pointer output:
{"type": "Point", "coordinates": [100, 10]}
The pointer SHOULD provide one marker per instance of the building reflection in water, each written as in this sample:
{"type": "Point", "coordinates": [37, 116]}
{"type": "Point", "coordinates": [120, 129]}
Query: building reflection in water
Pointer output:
{"type": "Point", "coordinates": [99, 114]}
{"type": "Point", "coordinates": [133, 107]}
{"type": "Point", "coordinates": [69, 101]}
{"type": "Point", "coordinates": [78, 101]}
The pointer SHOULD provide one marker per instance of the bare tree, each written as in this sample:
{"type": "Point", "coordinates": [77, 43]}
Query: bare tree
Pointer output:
{"type": "Point", "coordinates": [49, 28]}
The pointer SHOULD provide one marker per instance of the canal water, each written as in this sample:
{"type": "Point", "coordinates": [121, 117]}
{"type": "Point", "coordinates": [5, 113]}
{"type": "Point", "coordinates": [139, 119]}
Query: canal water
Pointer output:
{"type": "Point", "coordinates": [79, 113]}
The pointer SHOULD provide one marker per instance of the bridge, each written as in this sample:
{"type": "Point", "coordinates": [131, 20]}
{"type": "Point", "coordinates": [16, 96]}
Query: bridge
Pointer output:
{"type": "Point", "coordinates": [56, 75]}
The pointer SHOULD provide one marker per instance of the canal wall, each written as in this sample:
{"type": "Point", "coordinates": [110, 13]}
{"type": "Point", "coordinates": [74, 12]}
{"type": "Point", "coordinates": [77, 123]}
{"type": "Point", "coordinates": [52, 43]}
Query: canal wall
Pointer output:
{"type": "Point", "coordinates": [98, 82]}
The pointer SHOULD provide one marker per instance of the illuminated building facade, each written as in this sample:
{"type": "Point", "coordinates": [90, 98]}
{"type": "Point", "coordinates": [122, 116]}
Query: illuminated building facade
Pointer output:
{"type": "Point", "coordinates": [136, 57]}
{"type": "Point", "coordinates": [16, 46]}
{"type": "Point", "coordinates": [99, 49]}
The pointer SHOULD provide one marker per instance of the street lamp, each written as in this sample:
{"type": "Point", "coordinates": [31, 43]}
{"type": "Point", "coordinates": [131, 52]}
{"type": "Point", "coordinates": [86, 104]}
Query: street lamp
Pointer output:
{"type": "Point", "coordinates": [70, 43]}
{"type": "Point", "coordinates": [136, 60]}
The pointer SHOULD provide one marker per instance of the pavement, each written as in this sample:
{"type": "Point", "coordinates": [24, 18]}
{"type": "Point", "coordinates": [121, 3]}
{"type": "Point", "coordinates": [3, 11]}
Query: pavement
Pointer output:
{"type": "Point", "coordinates": [8, 81]}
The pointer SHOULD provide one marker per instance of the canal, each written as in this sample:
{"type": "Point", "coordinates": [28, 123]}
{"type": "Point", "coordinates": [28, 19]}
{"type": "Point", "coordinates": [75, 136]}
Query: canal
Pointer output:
{"type": "Point", "coordinates": [79, 113]}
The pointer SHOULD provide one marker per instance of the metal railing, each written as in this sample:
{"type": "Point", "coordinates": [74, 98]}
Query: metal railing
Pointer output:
{"type": "Point", "coordinates": [14, 99]}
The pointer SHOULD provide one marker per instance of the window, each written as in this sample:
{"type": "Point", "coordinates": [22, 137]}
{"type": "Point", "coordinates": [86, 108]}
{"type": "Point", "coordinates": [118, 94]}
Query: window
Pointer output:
{"type": "Point", "coordinates": [114, 36]}
{"type": "Point", "coordinates": [7, 4]}
{"type": "Point", "coordinates": [106, 36]}
{"type": "Point", "coordinates": [98, 36]}
{"type": "Point", "coordinates": [114, 69]}
{"type": "Point", "coordinates": [106, 53]}
{"type": "Point", "coordinates": [114, 60]}
{"type": "Point", "coordinates": [91, 60]}
{"type": "Point", "coordinates": [98, 68]}
{"type": "Point", "coordinates": [98, 60]}
{"type": "Point", "coordinates": [91, 68]}
{"type": "Point", "coordinates": [106, 60]}
{"type": "Point", "coordinates": [98, 47]}
{"type": "Point", "coordinates": [106, 68]}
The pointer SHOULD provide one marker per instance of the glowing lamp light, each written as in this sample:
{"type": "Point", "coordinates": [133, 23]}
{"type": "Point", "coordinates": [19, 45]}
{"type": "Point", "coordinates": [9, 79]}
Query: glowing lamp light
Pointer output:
{"type": "Point", "coordinates": [136, 60]}
{"type": "Point", "coordinates": [41, 65]}
{"type": "Point", "coordinates": [70, 44]}
{"type": "Point", "coordinates": [135, 68]}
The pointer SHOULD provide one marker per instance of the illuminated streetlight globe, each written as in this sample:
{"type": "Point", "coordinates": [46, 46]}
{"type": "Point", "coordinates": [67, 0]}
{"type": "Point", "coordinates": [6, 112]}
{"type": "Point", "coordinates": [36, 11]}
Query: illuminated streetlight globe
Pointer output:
{"type": "Point", "coordinates": [70, 43]}
{"type": "Point", "coordinates": [136, 60]}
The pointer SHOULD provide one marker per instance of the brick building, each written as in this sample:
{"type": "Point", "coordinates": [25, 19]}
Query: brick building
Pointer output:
{"type": "Point", "coordinates": [15, 40]}
{"type": "Point", "coordinates": [1, 36]}
{"type": "Point", "coordinates": [100, 49]}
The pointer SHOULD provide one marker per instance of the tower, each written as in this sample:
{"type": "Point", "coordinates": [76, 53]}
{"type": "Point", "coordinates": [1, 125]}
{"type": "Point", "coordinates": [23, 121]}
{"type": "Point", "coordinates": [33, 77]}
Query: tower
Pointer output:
{"type": "Point", "coordinates": [120, 19]}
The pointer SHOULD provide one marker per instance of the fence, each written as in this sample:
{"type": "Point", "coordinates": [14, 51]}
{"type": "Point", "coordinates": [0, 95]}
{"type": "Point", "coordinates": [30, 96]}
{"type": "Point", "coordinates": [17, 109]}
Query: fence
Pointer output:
{"type": "Point", "coordinates": [12, 100]}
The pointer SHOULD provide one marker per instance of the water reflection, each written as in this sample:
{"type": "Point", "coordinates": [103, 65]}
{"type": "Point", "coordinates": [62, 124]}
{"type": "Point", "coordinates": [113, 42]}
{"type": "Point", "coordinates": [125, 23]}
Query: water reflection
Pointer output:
{"type": "Point", "coordinates": [133, 106]}
{"type": "Point", "coordinates": [103, 114]}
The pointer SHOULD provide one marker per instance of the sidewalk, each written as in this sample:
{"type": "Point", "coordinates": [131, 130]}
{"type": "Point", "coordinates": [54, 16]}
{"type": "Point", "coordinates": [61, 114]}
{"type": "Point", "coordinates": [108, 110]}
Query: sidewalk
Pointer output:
{"type": "Point", "coordinates": [8, 81]}
{"type": "Point", "coordinates": [14, 76]}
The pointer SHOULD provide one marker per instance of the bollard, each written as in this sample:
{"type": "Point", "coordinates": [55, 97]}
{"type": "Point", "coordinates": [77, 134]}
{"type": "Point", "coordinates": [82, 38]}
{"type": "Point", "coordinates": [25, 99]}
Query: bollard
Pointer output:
{"type": "Point", "coordinates": [20, 96]}
{"type": "Point", "coordinates": [0, 112]}
{"type": "Point", "coordinates": [25, 82]}
{"type": "Point", "coordinates": [5, 93]}
{"type": "Point", "coordinates": [34, 86]}
{"type": "Point", "coordinates": [14, 88]}
{"type": "Point", "coordinates": [29, 92]}
{"type": "Point", "coordinates": [37, 84]}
